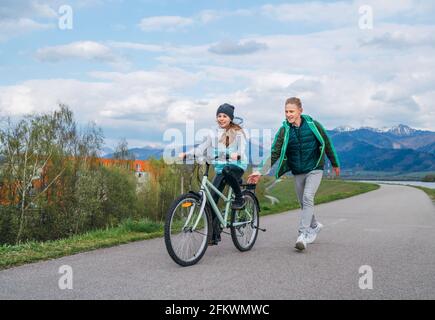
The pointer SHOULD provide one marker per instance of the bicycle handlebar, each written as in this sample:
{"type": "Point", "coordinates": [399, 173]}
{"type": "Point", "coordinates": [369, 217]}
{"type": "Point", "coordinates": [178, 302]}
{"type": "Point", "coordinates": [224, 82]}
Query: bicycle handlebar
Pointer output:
{"type": "Point", "coordinates": [248, 186]}
{"type": "Point", "coordinates": [207, 160]}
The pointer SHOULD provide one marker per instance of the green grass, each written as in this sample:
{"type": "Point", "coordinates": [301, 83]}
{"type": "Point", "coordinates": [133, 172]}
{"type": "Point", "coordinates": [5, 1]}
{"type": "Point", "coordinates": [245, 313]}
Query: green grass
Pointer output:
{"type": "Point", "coordinates": [383, 175]}
{"type": "Point", "coordinates": [329, 190]}
{"type": "Point", "coordinates": [130, 230]}
{"type": "Point", "coordinates": [430, 192]}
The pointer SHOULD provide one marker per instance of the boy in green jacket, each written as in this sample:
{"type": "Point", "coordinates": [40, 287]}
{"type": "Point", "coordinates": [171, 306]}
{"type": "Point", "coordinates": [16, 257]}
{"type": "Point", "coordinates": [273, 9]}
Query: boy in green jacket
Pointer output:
{"type": "Point", "coordinates": [299, 147]}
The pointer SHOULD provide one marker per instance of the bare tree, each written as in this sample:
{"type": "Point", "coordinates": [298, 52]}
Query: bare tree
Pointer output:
{"type": "Point", "coordinates": [122, 152]}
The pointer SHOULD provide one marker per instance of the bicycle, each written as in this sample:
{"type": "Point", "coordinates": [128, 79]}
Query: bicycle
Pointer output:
{"type": "Point", "coordinates": [189, 221]}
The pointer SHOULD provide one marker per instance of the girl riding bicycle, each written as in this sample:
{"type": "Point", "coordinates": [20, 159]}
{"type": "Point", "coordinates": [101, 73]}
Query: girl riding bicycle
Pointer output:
{"type": "Point", "coordinates": [227, 145]}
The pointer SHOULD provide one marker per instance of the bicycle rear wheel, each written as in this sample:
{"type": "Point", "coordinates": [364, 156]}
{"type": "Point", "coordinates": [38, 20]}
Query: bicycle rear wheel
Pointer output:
{"type": "Point", "coordinates": [186, 231]}
{"type": "Point", "coordinates": [244, 223]}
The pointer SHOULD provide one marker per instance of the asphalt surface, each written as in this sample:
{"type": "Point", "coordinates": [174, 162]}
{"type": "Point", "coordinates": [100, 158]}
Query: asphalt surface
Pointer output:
{"type": "Point", "coordinates": [392, 230]}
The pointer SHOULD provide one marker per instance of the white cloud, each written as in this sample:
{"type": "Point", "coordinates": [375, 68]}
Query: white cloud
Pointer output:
{"type": "Point", "coordinates": [335, 13]}
{"type": "Point", "coordinates": [340, 80]}
{"type": "Point", "coordinates": [86, 50]}
{"type": "Point", "coordinates": [18, 17]}
{"type": "Point", "coordinates": [137, 46]}
{"type": "Point", "coordinates": [209, 16]}
{"type": "Point", "coordinates": [229, 47]}
{"type": "Point", "coordinates": [345, 13]}
{"type": "Point", "coordinates": [16, 100]}
{"type": "Point", "coordinates": [43, 10]}
{"type": "Point", "coordinates": [14, 27]}
{"type": "Point", "coordinates": [173, 23]}
{"type": "Point", "coordinates": [164, 23]}
{"type": "Point", "coordinates": [178, 112]}
{"type": "Point", "coordinates": [12, 9]}
{"type": "Point", "coordinates": [163, 77]}
{"type": "Point", "coordinates": [136, 100]}
{"type": "Point", "coordinates": [397, 38]}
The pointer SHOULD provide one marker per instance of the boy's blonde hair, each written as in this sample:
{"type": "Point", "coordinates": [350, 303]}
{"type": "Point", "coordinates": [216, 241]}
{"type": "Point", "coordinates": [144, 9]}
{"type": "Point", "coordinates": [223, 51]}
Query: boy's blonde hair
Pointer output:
{"type": "Point", "coordinates": [295, 101]}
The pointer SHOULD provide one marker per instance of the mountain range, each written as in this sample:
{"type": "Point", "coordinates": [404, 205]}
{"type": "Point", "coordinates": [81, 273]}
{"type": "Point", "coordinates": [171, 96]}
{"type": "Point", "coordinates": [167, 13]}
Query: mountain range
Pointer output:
{"type": "Point", "coordinates": [397, 149]}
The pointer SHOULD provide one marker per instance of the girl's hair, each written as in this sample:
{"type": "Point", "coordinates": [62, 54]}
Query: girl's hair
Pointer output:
{"type": "Point", "coordinates": [295, 101]}
{"type": "Point", "coordinates": [230, 134]}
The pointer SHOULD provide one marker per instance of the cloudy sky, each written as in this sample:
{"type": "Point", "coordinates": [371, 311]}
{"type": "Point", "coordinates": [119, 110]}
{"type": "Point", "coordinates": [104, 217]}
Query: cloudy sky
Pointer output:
{"type": "Point", "coordinates": [139, 67]}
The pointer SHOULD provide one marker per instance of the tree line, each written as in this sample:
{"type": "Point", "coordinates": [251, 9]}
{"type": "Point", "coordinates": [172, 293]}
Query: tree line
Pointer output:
{"type": "Point", "coordinates": [51, 185]}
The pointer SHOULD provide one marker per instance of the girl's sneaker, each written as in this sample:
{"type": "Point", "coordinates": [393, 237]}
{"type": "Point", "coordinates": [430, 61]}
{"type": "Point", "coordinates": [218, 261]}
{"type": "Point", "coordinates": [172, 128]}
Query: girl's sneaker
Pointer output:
{"type": "Point", "coordinates": [301, 242]}
{"type": "Point", "coordinates": [314, 232]}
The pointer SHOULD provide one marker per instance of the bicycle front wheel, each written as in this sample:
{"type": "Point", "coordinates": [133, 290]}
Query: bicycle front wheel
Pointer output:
{"type": "Point", "coordinates": [187, 230]}
{"type": "Point", "coordinates": [244, 223]}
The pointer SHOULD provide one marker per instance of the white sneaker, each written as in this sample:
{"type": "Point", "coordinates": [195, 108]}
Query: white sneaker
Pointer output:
{"type": "Point", "coordinates": [301, 242]}
{"type": "Point", "coordinates": [314, 232]}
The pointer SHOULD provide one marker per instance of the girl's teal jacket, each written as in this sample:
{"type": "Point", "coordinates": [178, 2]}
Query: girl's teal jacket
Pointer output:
{"type": "Point", "coordinates": [213, 147]}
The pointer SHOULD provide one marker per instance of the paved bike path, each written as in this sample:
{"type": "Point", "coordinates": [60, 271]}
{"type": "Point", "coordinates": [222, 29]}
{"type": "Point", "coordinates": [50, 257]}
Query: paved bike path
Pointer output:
{"type": "Point", "coordinates": [391, 229]}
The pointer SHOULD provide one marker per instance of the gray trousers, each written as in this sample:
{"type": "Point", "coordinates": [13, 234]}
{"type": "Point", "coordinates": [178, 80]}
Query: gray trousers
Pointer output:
{"type": "Point", "coordinates": [306, 187]}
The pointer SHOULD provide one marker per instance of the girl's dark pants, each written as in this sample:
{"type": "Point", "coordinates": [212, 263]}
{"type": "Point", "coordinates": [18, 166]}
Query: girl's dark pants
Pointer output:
{"type": "Point", "coordinates": [231, 174]}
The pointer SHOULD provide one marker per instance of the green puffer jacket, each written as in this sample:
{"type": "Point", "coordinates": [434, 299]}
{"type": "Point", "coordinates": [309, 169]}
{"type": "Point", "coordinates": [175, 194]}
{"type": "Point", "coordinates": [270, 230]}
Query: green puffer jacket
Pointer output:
{"type": "Point", "coordinates": [280, 153]}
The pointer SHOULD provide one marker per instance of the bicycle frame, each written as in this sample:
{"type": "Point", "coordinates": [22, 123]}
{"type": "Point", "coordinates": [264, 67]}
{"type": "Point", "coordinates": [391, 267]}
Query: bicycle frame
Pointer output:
{"type": "Point", "coordinates": [206, 185]}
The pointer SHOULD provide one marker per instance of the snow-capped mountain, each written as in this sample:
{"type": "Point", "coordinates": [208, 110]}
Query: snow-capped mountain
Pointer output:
{"type": "Point", "coordinates": [399, 130]}
{"type": "Point", "coordinates": [402, 130]}
{"type": "Point", "coordinates": [344, 129]}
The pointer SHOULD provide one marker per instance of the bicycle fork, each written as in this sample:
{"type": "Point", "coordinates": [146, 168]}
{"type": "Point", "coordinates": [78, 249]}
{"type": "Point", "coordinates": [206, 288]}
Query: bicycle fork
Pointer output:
{"type": "Point", "coordinates": [192, 209]}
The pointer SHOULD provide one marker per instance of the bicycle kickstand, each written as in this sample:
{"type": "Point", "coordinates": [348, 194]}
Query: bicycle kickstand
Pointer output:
{"type": "Point", "coordinates": [264, 230]}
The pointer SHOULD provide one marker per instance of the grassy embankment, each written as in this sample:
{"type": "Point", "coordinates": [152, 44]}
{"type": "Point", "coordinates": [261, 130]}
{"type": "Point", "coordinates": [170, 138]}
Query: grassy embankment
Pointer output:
{"type": "Point", "coordinates": [430, 192]}
{"type": "Point", "coordinates": [329, 190]}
